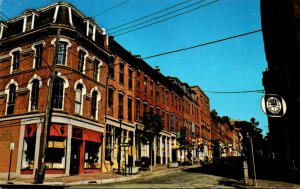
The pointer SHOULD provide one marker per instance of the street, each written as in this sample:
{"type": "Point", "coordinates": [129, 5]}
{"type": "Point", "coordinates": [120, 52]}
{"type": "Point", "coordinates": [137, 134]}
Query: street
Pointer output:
{"type": "Point", "coordinates": [191, 178]}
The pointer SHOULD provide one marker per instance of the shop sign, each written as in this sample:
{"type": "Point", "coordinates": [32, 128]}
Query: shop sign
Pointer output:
{"type": "Point", "coordinates": [56, 144]}
{"type": "Point", "coordinates": [273, 105]}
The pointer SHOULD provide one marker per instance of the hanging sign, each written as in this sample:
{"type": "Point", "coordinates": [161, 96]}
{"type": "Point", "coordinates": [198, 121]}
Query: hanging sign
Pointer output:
{"type": "Point", "coordinates": [273, 105]}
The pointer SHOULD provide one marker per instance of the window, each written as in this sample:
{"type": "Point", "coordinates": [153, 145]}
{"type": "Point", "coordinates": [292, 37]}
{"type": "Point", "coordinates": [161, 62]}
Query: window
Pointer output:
{"type": "Point", "coordinates": [162, 94]}
{"type": "Point", "coordinates": [163, 118]}
{"type": "Point", "coordinates": [28, 23]}
{"type": "Point", "coordinates": [58, 92]}
{"type": "Point", "coordinates": [78, 99]}
{"type": "Point", "coordinates": [138, 80]}
{"type": "Point", "coordinates": [168, 121]}
{"type": "Point", "coordinates": [110, 101]}
{"type": "Point", "coordinates": [96, 69]}
{"type": "Point", "coordinates": [138, 109]}
{"type": "Point", "coordinates": [28, 148]}
{"type": "Point", "coordinates": [121, 73]}
{"type": "Point", "coordinates": [61, 53]}
{"type": "Point", "coordinates": [151, 89]}
{"type": "Point", "coordinates": [120, 109]}
{"type": "Point", "coordinates": [167, 97]}
{"type": "Point", "coordinates": [34, 98]}
{"type": "Point", "coordinates": [111, 69]}
{"type": "Point", "coordinates": [130, 72]}
{"type": "Point", "coordinates": [55, 152]}
{"type": "Point", "coordinates": [16, 60]}
{"type": "Point", "coordinates": [38, 55]}
{"type": "Point", "coordinates": [176, 102]}
{"type": "Point", "coordinates": [145, 106]}
{"type": "Point", "coordinates": [129, 109]}
{"type": "Point", "coordinates": [92, 155]}
{"type": "Point", "coordinates": [157, 110]}
{"type": "Point", "coordinates": [172, 122]}
{"type": "Point", "coordinates": [145, 84]}
{"type": "Point", "coordinates": [11, 99]}
{"type": "Point", "coordinates": [81, 59]}
{"type": "Point", "coordinates": [94, 105]}
{"type": "Point", "coordinates": [157, 91]}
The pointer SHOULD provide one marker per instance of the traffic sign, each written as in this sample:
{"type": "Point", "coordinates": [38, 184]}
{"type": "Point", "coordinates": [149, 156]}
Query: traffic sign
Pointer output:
{"type": "Point", "coordinates": [273, 105]}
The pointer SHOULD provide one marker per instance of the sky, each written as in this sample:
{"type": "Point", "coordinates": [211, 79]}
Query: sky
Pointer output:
{"type": "Point", "coordinates": [231, 65]}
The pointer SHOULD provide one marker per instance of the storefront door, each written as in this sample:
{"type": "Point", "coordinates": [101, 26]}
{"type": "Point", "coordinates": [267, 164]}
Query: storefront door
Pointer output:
{"type": "Point", "coordinates": [75, 156]}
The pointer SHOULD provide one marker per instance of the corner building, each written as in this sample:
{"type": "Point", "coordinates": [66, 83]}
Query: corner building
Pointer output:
{"type": "Point", "coordinates": [75, 136]}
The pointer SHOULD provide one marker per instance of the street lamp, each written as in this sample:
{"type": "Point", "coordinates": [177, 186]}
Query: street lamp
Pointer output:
{"type": "Point", "coordinates": [252, 157]}
{"type": "Point", "coordinates": [120, 117]}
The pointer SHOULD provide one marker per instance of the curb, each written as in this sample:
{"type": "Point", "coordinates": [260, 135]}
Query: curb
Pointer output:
{"type": "Point", "coordinates": [100, 181]}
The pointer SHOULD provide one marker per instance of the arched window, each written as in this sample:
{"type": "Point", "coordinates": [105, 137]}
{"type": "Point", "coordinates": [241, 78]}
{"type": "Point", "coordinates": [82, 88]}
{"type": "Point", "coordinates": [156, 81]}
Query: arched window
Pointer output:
{"type": "Point", "coordinates": [78, 99]}
{"type": "Point", "coordinates": [94, 105]}
{"type": "Point", "coordinates": [34, 98]}
{"type": "Point", "coordinates": [11, 99]}
{"type": "Point", "coordinates": [58, 93]}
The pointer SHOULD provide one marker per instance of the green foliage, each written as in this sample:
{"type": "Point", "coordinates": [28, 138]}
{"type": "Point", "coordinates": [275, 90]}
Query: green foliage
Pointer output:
{"type": "Point", "coordinates": [152, 127]}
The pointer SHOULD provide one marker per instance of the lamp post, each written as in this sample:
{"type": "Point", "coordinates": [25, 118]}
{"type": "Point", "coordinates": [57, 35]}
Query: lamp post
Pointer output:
{"type": "Point", "coordinates": [252, 158]}
{"type": "Point", "coordinates": [120, 117]}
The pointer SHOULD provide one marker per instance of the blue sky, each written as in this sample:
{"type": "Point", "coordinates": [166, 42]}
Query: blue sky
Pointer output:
{"type": "Point", "coordinates": [233, 65]}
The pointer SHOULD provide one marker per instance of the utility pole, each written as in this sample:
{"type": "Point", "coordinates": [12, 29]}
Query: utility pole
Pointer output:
{"type": "Point", "coordinates": [40, 172]}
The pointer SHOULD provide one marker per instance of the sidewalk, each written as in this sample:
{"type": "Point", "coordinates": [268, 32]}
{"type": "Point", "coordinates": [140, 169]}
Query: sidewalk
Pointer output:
{"type": "Point", "coordinates": [94, 178]}
{"type": "Point", "coordinates": [269, 184]}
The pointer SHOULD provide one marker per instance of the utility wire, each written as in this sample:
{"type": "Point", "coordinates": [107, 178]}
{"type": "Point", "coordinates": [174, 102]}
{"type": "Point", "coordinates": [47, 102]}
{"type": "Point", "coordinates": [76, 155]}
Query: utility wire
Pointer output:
{"type": "Point", "coordinates": [141, 18]}
{"type": "Point", "coordinates": [3, 15]}
{"type": "Point", "coordinates": [155, 18]}
{"type": "Point", "coordinates": [203, 44]}
{"type": "Point", "coordinates": [236, 92]}
{"type": "Point", "coordinates": [111, 8]}
{"type": "Point", "coordinates": [180, 14]}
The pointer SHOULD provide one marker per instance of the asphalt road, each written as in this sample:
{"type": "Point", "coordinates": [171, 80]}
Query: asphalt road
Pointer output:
{"type": "Point", "coordinates": [185, 179]}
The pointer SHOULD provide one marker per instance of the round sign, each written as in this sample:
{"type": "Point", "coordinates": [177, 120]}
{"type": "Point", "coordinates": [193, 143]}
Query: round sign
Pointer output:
{"type": "Point", "coordinates": [273, 105]}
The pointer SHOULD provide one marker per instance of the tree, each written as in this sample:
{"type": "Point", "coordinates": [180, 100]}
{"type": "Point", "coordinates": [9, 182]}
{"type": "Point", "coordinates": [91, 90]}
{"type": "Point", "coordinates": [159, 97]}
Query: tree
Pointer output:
{"type": "Point", "coordinates": [152, 127]}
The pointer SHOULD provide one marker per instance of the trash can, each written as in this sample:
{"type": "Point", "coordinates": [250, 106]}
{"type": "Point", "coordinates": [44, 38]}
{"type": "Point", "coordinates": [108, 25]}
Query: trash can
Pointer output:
{"type": "Point", "coordinates": [145, 162]}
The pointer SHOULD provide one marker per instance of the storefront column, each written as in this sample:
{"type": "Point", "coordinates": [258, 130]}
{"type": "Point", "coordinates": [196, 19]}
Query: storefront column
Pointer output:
{"type": "Point", "coordinates": [37, 146]}
{"type": "Point", "coordinates": [166, 150]}
{"type": "Point", "coordinates": [154, 149]}
{"type": "Point", "coordinates": [68, 150]}
{"type": "Point", "coordinates": [160, 150]}
{"type": "Point", "coordinates": [170, 149]}
{"type": "Point", "coordinates": [20, 150]}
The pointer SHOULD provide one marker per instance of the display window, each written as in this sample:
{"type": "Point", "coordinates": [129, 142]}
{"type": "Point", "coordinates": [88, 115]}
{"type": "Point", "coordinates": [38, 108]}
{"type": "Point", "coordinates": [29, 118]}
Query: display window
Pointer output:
{"type": "Point", "coordinates": [92, 155]}
{"type": "Point", "coordinates": [56, 153]}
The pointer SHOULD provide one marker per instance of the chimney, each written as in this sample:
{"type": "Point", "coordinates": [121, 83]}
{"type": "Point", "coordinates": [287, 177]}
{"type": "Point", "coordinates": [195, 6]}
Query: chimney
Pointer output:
{"type": "Point", "coordinates": [138, 57]}
{"type": "Point", "coordinates": [156, 68]}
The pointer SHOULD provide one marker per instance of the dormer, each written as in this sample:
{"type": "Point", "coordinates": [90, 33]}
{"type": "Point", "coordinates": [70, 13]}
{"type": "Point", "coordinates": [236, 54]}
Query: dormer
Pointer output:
{"type": "Point", "coordinates": [29, 18]}
{"type": "Point", "coordinates": [90, 28]}
{"type": "Point", "coordinates": [3, 26]}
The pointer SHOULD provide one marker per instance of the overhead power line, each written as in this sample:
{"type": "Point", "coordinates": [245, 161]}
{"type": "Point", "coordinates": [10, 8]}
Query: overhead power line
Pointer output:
{"type": "Point", "coordinates": [203, 44]}
{"type": "Point", "coordinates": [180, 14]}
{"type": "Point", "coordinates": [111, 8]}
{"type": "Point", "coordinates": [236, 92]}
{"type": "Point", "coordinates": [161, 16]}
{"type": "Point", "coordinates": [141, 18]}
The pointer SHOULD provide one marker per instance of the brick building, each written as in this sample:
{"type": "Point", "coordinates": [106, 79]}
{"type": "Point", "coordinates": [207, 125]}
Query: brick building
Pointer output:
{"type": "Point", "coordinates": [27, 52]}
{"type": "Point", "coordinates": [100, 93]}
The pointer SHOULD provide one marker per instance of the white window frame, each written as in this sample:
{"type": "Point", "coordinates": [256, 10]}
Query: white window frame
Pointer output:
{"type": "Point", "coordinates": [32, 21]}
{"type": "Point", "coordinates": [97, 100]}
{"type": "Point", "coordinates": [85, 57]}
{"type": "Point", "coordinates": [2, 26]}
{"type": "Point", "coordinates": [69, 45]}
{"type": "Point", "coordinates": [29, 86]}
{"type": "Point", "coordinates": [12, 57]}
{"type": "Point", "coordinates": [99, 66]}
{"type": "Point", "coordinates": [33, 47]}
{"type": "Point", "coordinates": [80, 81]}
{"type": "Point", "coordinates": [12, 81]}
{"type": "Point", "coordinates": [66, 85]}
{"type": "Point", "coordinates": [88, 23]}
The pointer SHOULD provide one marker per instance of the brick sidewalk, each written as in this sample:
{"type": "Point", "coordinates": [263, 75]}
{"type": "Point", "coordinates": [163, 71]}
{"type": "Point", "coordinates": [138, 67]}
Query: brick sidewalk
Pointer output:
{"type": "Point", "coordinates": [93, 177]}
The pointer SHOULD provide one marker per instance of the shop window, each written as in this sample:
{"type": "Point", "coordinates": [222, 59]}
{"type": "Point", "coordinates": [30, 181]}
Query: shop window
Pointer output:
{"type": "Point", "coordinates": [55, 154]}
{"type": "Point", "coordinates": [92, 155]}
{"type": "Point", "coordinates": [28, 153]}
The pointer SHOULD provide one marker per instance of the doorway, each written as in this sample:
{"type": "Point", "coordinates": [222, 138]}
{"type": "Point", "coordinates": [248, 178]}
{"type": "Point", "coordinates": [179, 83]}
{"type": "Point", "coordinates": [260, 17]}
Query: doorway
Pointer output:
{"type": "Point", "coordinates": [75, 156]}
